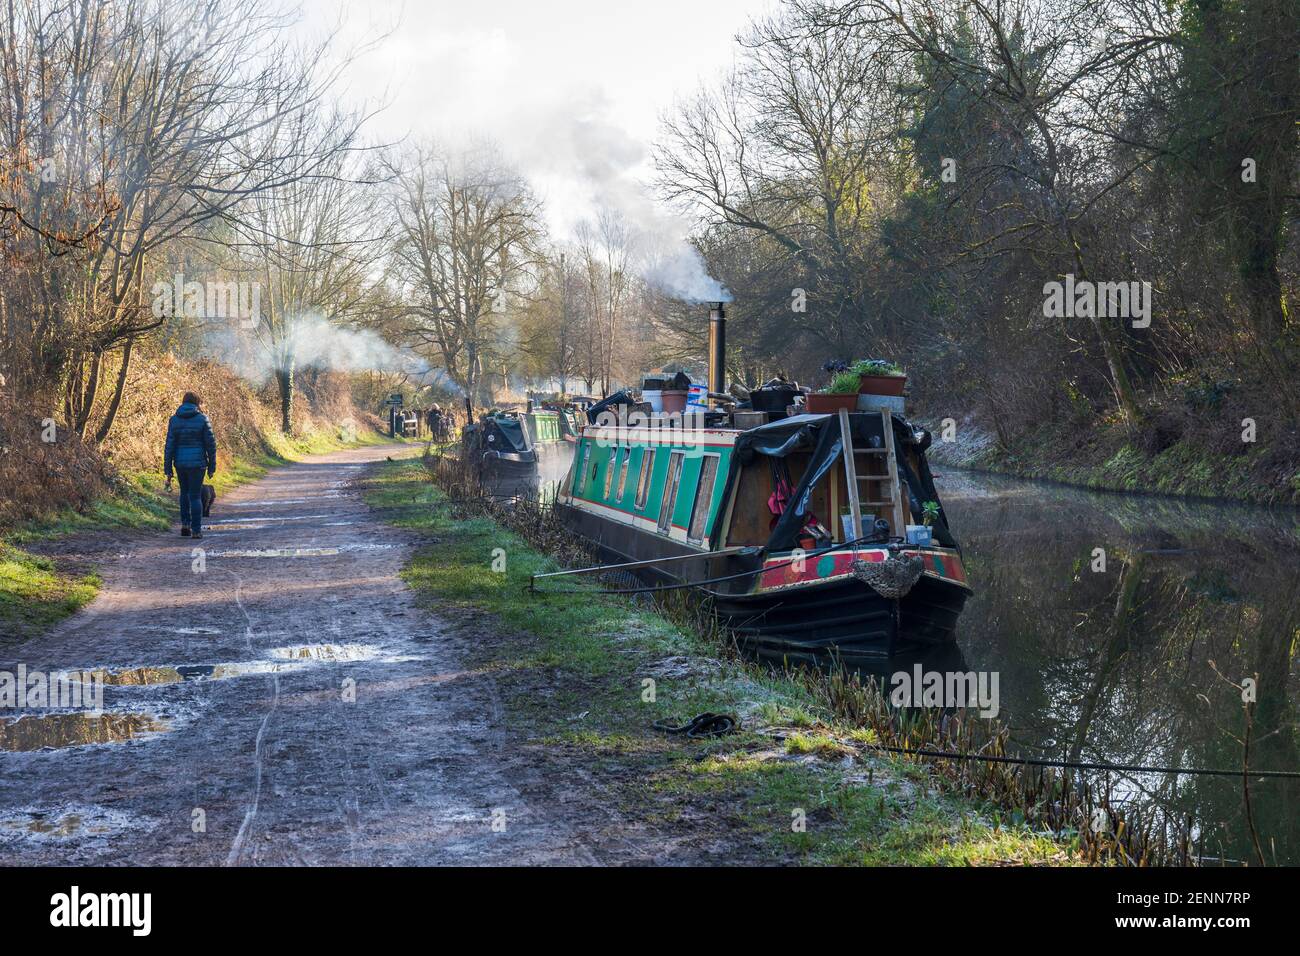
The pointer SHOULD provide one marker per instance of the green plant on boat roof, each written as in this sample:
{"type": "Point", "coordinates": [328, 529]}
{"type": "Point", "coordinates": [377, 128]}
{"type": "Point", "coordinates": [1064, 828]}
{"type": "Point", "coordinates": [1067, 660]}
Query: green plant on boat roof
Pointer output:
{"type": "Point", "coordinates": [877, 367]}
{"type": "Point", "coordinates": [929, 513]}
{"type": "Point", "coordinates": [847, 379]}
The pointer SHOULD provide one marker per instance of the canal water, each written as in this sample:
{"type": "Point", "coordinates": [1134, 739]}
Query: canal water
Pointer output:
{"type": "Point", "coordinates": [1135, 664]}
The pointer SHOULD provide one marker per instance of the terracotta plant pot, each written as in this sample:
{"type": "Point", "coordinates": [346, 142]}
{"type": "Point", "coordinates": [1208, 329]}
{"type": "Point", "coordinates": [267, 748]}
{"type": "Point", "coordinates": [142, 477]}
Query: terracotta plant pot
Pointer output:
{"type": "Point", "coordinates": [818, 404]}
{"type": "Point", "coordinates": [881, 384]}
{"type": "Point", "coordinates": [674, 401]}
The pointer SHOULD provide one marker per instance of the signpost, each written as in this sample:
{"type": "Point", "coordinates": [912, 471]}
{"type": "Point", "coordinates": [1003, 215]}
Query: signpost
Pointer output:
{"type": "Point", "coordinates": [394, 402]}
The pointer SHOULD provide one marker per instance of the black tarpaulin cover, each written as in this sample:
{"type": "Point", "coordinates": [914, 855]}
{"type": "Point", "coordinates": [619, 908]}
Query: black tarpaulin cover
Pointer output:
{"type": "Point", "coordinates": [512, 430]}
{"type": "Point", "coordinates": [819, 436]}
{"type": "Point", "coordinates": [618, 398]}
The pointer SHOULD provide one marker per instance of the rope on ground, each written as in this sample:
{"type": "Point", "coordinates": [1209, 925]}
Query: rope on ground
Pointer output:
{"type": "Point", "coordinates": [702, 727]}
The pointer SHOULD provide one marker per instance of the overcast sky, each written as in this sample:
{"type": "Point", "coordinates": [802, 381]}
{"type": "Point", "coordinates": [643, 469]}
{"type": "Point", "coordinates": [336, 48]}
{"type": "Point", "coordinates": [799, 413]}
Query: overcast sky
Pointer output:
{"type": "Point", "coordinates": [571, 89]}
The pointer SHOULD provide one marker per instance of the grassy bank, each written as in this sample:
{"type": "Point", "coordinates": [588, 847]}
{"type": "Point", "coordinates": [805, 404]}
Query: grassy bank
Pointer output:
{"type": "Point", "coordinates": [585, 676]}
{"type": "Point", "coordinates": [1108, 457]}
{"type": "Point", "coordinates": [38, 591]}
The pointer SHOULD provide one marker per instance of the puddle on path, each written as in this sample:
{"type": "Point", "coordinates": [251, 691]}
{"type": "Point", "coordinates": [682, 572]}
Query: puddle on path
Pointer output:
{"type": "Point", "coordinates": [67, 822]}
{"type": "Point", "coordinates": [275, 553]}
{"type": "Point", "coordinates": [139, 676]}
{"type": "Point", "coordinates": [281, 660]}
{"type": "Point", "coordinates": [153, 676]}
{"type": "Point", "coordinates": [298, 552]}
{"type": "Point", "coordinates": [27, 733]}
{"type": "Point", "coordinates": [326, 652]}
{"type": "Point", "coordinates": [265, 502]}
{"type": "Point", "coordinates": [260, 519]}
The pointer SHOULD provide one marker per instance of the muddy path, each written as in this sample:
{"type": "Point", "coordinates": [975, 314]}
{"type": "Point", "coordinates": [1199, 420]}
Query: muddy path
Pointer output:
{"type": "Point", "coordinates": [231, 736]}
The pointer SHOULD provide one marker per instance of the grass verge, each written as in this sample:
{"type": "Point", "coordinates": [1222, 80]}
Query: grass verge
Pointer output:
{"type": "Point", "coordinates": [586, 676]}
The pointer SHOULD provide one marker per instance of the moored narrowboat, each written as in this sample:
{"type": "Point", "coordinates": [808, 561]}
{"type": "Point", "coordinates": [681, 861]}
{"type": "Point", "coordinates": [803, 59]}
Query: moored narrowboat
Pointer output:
{"type": "Point", "coordinates": [813, 535]}
{"type": "Point", "coordinates": [499, 445]}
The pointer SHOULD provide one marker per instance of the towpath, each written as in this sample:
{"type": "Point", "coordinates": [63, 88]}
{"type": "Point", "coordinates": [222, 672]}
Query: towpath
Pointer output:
{"type": "Point", "coordinates": [279, 699]}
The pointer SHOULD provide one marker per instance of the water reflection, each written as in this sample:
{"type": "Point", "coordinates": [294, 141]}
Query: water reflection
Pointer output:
{"type": "Point", "coordinates": [75, 730]}
{"type": "Point", "coordinates": [1136, 663]}
{"type": "Point", "coordinates": [541, 480]}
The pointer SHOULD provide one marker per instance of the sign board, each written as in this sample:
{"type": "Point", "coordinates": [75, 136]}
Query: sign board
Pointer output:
{"type": "Point", "coordinates": [394, 399]}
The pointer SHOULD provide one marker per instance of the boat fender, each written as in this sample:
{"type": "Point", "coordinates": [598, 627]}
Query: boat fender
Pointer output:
{"type": "Point", "coordinates": [891, 578]}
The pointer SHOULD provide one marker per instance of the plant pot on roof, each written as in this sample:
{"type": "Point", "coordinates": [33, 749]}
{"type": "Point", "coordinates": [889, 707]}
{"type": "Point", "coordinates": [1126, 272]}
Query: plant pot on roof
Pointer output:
{"type": "Point", "coordinates": [866, 377]}
{"type": "Point", "coordinates": [842, 392]}
{"type": "Point", "coordinates": [879, 377]}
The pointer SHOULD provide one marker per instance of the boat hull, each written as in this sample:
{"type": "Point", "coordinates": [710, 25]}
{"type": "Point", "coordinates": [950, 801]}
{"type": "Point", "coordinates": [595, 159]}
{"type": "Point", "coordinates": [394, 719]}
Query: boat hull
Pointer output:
{"type": "Point", "coordinates": [842, 618]}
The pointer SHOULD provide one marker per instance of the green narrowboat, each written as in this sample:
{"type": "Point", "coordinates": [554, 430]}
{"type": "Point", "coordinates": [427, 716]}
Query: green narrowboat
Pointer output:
{"type": "Point", "coordinates": [797, 529]}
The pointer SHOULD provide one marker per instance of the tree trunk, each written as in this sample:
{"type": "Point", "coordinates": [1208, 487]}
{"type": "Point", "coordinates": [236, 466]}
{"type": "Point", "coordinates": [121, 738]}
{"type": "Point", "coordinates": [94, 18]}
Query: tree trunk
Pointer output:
{"type": "Point", "coordinates": [111, 415]}
{"type": "Point", "coordinates": [284, 376]}
{"type": "Point", "coordinates": [87, 401]}
{"type": "Point", "coordinates": [1114, 354]}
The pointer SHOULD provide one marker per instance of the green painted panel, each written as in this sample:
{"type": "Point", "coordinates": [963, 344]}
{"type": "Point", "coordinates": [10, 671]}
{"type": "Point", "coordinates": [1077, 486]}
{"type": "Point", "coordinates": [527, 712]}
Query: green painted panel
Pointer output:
{"type": "Point", "coordinates": [590, 486]}
{"type": "Point", "coordinates": [544, 427]}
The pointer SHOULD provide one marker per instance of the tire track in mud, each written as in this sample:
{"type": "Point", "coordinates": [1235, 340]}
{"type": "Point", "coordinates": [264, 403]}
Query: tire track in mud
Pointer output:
{"type": "Point", "coordinates": [236, 848]}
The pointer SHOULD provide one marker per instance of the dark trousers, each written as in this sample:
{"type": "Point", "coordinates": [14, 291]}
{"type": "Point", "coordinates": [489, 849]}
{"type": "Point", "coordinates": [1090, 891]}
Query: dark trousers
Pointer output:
{"type": "Point", "coordinates": [191, 482]}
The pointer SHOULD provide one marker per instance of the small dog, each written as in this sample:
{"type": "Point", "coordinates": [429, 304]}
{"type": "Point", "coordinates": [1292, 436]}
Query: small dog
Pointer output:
{"type": "Point", "coordinates": [209, 496]}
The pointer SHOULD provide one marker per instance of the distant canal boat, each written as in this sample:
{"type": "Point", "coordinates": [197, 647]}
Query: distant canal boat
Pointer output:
{"type": "Point", "coordinates": [511, 444]}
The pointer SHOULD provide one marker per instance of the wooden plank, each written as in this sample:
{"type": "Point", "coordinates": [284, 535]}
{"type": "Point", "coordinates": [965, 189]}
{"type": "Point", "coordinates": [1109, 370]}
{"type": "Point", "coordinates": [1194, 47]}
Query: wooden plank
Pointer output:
{"type": "Point", "coordinates": [837, 526]}
{"type": "Point", "coordinates": [850, 475]}
{"type": "Point", "coordinates": [895, 491]}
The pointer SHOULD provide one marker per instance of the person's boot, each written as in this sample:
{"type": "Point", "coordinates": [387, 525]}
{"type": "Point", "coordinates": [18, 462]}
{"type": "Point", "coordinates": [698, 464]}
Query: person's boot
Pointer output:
{"type": "Point", "coordinates": [197, 535]}
{"type": "Point", "coordinates": [185, 531]}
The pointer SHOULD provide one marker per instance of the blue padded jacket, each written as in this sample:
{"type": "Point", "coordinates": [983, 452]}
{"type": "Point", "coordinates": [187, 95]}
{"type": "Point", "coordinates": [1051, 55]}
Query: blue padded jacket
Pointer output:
{"type": "Point", "coordinates": [190, 442]}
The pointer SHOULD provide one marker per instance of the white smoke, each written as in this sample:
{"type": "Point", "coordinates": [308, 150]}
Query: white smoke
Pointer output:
{"type": "Point", "coordinates": [314, 342]}
{"type": "Point", "coordinates": [680, 272]}
{"type": "Point", "coordinates": [591, 163]}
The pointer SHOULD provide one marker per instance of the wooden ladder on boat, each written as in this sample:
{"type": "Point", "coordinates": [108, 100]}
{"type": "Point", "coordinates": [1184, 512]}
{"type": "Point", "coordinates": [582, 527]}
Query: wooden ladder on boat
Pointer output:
{"type": "Point", "coordinates": [898, 526]}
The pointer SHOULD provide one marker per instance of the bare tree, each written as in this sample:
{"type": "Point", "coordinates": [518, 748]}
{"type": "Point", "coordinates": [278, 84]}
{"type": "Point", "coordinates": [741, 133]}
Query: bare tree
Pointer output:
{"type": "Point", "coordinates": [607, 250]}
{"type": "Point", "coordinates": [313, 244]}
{"type": "Point", "coordinates": [467, 232]}
{"type": "Point", "coordinates": [144, 111]}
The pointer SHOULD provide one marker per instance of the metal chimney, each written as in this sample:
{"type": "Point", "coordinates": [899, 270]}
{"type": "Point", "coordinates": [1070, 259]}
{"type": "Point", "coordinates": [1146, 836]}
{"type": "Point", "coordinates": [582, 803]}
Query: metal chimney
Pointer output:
{"type": "Point", "coordinates": [717, 348]}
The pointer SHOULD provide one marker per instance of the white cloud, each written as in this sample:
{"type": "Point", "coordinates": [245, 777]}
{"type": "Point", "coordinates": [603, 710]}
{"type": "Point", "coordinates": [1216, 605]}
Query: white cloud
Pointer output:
{"type": "Point", "coordinates": [571, 89]}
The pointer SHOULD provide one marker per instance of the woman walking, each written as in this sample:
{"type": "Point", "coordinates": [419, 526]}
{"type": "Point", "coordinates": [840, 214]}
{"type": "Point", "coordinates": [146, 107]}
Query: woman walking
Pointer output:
{"type": "Point", "coordinates": [192, 449]}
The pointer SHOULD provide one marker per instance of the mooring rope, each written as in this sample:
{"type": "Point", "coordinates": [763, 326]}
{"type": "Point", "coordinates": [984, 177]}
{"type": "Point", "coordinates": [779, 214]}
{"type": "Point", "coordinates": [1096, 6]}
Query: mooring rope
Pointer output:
{"type": "Point", "coordinates": [1082, 764]}
{"type": "Point", "coordinates": [652, 588]}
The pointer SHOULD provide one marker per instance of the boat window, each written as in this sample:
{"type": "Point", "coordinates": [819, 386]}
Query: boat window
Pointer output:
{"type": "Point", "coordinates": [609, 471]}
{"type": "Point", "coordinates": [670, 491]}
{"type": "Point", "coordinates": [581, 479]}
{"type": "Point", "coordinates": [622, 473]}
{"type": "Point", "coordinates": [643, 483]}
{"type": "Point", "coordinates": [703, 497]}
